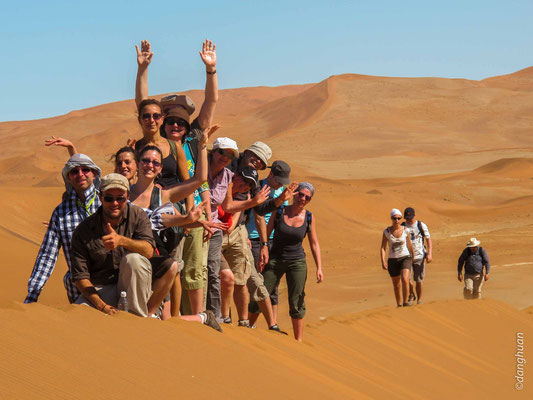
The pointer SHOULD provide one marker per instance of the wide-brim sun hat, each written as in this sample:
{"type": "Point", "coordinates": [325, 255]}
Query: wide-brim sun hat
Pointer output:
{"type": "Point", "coordinates": [473, 242]}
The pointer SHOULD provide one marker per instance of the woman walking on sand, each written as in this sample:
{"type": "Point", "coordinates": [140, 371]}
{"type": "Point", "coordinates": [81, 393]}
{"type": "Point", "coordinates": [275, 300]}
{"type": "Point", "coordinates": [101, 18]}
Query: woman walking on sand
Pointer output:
{"type": "Point", "coordinates": [400, 256]}
{"type": "Point", "coordinates": [291, 224]}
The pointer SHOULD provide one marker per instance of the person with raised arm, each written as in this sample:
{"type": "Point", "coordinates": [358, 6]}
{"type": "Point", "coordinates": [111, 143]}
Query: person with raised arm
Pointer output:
{"type": "Point", "coordinates": [177, 127]}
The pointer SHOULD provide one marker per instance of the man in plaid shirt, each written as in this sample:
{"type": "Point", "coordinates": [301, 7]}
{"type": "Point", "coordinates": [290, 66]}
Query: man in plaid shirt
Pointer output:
{"type": "Point", "coordinates": [80, 200]}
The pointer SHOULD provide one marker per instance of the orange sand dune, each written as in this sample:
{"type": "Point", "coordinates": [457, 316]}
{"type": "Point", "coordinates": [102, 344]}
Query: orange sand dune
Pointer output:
{"type": "Point", "coordinates": [458, 151]}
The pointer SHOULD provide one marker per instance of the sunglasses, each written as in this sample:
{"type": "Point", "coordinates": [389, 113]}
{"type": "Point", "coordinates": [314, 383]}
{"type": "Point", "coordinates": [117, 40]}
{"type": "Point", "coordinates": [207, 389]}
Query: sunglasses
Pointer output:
{"type": "Point", "coordinates": [304, 196]}
{"type": "Point", "coordinates": [80, 170]}
{"type": "Point", "coordinates": [227, 154]}
{"type": "Point", "coordinates": [179, 121]}
{"type": "Point", "coordinates": [155, 116]}
{"type": "Point", "coordinates": [147, 161]}
{"type": "Point", "coordinates": [396, 218]}
{"type": "Point", "coordinates": [112, 199]}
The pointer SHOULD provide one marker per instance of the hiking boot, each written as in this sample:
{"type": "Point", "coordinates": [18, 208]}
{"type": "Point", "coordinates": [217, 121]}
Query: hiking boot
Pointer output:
{"type": "Point", "coordinates": [244, 322]}
{"type": "Point", "coordinates": [275, 328]}
{"type": "Point", "coordinates": [211, 321]}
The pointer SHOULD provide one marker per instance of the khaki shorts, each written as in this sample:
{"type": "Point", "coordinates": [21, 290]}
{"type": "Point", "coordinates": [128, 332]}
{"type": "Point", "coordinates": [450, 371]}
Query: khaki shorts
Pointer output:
{"type": "Point", "coordinates": [236, 252]}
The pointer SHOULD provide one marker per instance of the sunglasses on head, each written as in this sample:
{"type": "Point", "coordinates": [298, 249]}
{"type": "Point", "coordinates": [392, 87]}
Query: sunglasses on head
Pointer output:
{"type": "Point", "coordinates": [304, 196]}
{"type": "Point", "coordinates": [228, 154]}
{"type": "Point", "coordinates": [179, 121]}
{"type": "Point", "coordinates": [396, 218]}
{"type": "Point", "coordinates": [147, 161]}
{"type": "Point", "coordinates": [79, 170]}
{"type": "Point", "coordinates": [112, 199]}
{"type": "Point", "coordinates": [155, 116]}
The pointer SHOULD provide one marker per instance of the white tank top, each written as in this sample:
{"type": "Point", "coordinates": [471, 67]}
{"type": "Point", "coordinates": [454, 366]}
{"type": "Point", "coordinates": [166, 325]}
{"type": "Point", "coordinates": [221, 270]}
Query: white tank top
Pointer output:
{"type": "Point", "coordinates": [397, 246]}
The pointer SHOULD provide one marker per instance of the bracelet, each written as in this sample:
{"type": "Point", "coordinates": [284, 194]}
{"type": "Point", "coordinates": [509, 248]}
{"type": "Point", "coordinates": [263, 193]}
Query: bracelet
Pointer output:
{"type": "Point", "coordinates": [211, 73]}
{"type": "Point", "coordinates": [103, 308]}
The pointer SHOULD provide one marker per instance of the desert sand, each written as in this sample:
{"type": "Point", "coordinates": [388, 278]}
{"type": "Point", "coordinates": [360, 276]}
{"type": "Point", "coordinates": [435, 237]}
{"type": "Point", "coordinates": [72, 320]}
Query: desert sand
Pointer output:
{"type": "Point", "coordinates": [458, 151]}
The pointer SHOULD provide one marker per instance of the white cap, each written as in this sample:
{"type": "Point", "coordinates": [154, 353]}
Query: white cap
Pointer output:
{"type": "Point", "coordinates": [394, 212]}
{"type": "Point", "coordinates": [226, 143]}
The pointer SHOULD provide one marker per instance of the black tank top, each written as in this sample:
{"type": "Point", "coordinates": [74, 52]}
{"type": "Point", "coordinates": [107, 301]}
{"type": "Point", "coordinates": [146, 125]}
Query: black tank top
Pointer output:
{"type": "Point", "coordinates": [169, 173]}
{"type": "Point", "coordinates": [287, 241]}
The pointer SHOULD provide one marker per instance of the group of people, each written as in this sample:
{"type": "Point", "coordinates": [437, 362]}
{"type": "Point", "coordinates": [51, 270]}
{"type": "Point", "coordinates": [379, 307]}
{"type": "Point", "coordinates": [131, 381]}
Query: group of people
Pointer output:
{"type": "Point", "coordinates": [409, 250]}
{"type": "Point", "coordinates": [179, 229]}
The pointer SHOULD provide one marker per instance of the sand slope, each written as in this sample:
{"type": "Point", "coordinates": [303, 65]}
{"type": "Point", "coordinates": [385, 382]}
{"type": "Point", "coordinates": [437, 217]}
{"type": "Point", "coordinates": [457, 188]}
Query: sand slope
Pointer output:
{"type": "Point", "coordinates": [458, 151]}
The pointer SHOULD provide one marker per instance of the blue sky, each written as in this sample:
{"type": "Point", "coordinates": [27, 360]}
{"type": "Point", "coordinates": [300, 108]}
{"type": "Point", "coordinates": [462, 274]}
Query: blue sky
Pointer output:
{"type": "Point", "coordinates": [60, 56]}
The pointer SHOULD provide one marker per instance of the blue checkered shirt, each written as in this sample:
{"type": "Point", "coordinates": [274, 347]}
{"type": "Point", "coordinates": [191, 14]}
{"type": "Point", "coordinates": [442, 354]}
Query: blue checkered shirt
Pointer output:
{"type": "Point", "coordinates": [65, 218]}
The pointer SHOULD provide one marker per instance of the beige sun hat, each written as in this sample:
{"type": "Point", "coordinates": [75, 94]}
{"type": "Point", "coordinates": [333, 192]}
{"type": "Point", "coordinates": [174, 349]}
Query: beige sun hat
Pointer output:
{"type": "Point", "coordinates": [473, 242]}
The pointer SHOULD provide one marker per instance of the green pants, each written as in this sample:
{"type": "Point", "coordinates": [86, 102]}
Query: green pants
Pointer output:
{"type": "Point", "coordinates": [296, 275]}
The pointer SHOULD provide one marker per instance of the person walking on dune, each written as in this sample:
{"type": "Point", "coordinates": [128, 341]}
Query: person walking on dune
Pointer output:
{"type": "Point", "coordinates": [418, 231]}
{"type": "Point", "coordinates": [400, 256]}
{"type": "Point", "coordinates": [474, 258]}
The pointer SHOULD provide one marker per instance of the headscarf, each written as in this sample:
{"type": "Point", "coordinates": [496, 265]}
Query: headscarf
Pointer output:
{"type": "Point", "coordinates": [306, 185]}
{"type": "Point", "coordinates": [394, 212]}
{"type": "Point", "coordinates": [80, 160]}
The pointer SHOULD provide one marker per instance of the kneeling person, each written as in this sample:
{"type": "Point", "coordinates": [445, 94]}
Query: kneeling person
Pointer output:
{"type": "Point", "coordinates": [111, 251]}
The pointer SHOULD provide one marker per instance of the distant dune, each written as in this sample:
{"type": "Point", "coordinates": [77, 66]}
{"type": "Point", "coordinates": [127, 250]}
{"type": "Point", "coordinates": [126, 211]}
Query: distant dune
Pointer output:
{"type": "Point", "coordinates": [458, 151]}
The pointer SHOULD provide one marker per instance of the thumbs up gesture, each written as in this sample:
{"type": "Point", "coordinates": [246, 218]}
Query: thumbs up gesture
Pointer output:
{"type": "Point", "coordinates": [112, 240]}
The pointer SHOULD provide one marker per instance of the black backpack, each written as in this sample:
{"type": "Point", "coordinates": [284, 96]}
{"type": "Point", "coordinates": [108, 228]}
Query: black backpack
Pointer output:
{"type": "Point", "coordinates": [419, 226]}
{"type": "Point", "coordinates": [167, 239]}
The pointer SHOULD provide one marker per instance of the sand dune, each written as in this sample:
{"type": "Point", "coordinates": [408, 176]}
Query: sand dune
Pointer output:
{"type": "Point", "coordinates": [459, 151]}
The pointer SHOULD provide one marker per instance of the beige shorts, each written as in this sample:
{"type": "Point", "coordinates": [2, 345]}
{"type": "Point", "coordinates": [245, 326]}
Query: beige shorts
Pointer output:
{"type": "Point", "coordinates": [235, 251]}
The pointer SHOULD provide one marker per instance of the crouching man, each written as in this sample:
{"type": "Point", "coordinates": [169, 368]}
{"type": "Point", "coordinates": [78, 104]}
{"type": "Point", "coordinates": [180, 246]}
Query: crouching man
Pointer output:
{"type": "Point", "coordinates": [111, 251]}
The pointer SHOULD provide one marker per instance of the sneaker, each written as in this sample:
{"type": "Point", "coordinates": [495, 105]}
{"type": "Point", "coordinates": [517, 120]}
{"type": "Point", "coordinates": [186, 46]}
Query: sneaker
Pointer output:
{"type": "Point", "coordinates": [407, 304]}
{"type": "Point", "coordinates": [412, 297]}
{"type": "Point", "coordinates": [226, 320]}
{"type": "Point", "coordinates": [419, 302]}
{"type": "Point", "coordinates": [276, 328]}
{"type": "Point", "coordinates": [244, 322]}
{"type": "Point", "coordinates": [211, 321]}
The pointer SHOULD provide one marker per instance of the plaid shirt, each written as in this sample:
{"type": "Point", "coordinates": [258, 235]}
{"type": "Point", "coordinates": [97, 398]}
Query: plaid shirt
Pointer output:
{"type": "Point", "coordinates": [65, 218]}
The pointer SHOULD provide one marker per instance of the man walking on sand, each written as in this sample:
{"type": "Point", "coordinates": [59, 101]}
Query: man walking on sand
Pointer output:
{"type": "Point", "coordinates": [80, 200]}
{"type": "Point", "coordinates": [474, 258]}
{"type": "Point", "coordinates": [418, 231]}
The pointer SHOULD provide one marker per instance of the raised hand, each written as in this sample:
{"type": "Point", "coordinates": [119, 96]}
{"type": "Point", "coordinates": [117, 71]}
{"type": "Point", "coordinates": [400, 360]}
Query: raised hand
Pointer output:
{"type": "Point", "coordinates": [112, 239]}
{"type": "Point", "coordinates": [144, 55]}
{"type": "Point", "coordinates": [288, 193]}
{"type": "Point", "coordinates": [57, 141]}
{"type": "Point", "coordinates": [262, 195]}
{"type": "Point", "coordinates": [209, 55]}
{"type": "Point", "coordinates": [131, 142]}
{"type": "Point", "coordinates": [206, 134]}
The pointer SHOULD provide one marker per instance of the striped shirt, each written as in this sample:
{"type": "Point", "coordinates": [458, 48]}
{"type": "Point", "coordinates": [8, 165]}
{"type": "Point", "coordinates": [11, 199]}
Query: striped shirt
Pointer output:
{"type": "Point", "coordinates": [65, 218]}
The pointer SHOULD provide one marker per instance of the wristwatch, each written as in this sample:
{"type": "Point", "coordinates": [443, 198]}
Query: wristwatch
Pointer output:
{"type": "Point", "coordinates": [264, 243]}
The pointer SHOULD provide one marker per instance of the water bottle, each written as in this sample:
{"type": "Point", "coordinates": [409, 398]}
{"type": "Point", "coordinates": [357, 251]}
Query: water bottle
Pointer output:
{"type": "Point", "coordinates": [123, 302]}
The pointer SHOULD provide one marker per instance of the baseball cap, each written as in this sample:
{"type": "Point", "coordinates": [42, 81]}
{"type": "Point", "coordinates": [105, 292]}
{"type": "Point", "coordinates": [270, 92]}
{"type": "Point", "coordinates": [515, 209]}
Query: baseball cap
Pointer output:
{"type": "Point", "coordinates": [250, 175]}
{"type": "Point", "coordinates": [114, 181]}
{"type": "Point", "coordinates": [409, 213]}
{"type": "Point", "coordinates": [281, 170]}
{"type": "Point", "coordinates": [226, 143]}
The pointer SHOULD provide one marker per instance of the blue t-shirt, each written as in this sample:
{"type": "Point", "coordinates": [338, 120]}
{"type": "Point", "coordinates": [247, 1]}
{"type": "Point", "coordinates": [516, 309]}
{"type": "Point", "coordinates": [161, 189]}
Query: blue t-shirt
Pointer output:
{"type": "Point", "coordinates": [191, 167]}
{"type": "Point", "coordinates": [250, 226]}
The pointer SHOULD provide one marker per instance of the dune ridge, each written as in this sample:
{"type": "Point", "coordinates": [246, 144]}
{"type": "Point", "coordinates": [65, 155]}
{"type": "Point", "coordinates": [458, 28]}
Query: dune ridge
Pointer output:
{"type": "Point", "coordinates": [457, 150]}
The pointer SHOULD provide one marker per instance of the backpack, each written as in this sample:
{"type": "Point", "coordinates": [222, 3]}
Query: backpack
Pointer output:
{"type": "Point", "coordinates": [308, 215]}
{"type": "Point", "coordinates": [419, 226]}
{"type": "Point", "coordinates": [167, 239]}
